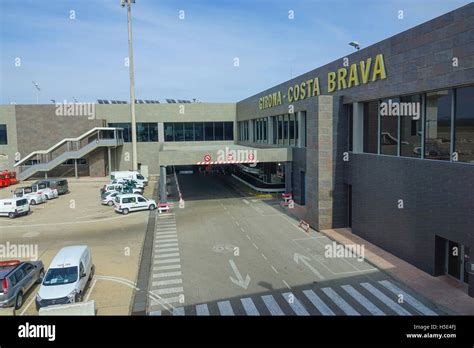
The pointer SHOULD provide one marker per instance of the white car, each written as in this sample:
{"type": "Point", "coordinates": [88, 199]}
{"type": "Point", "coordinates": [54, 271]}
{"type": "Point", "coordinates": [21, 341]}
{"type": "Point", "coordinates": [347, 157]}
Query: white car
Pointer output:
{"type": "Point", "coordinates": [28, 193]}
{"type": "Point", "coordinates": [50, 193]}
{"type": "Point", "coordinates": [133, 202]}
{"type": "Point", "coordinates": [137, 184]}
{"type": "Point", "coordinates": [108, 198]}
{"type": "Point", "coordinates": [130, 175]}
{"type": "Point", "coordinates": [13, 207]}
{"type": "Point", "coordinates": [119, 188]}
{"type": "Point", "coordinates": [67, 277]}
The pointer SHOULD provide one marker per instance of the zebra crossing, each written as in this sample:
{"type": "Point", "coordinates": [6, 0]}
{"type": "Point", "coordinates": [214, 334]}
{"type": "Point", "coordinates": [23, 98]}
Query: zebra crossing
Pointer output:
{"type": "Point", "coordinates": [374, 298]}
{"type": "Point", "coordinates": [166, 283]}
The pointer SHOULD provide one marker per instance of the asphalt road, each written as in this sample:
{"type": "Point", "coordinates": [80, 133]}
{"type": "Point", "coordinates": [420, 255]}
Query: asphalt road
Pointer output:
{"type": "Point", "coordinates": [228, 253]}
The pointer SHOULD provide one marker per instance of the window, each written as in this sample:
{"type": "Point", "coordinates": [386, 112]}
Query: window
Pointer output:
{"type": "Point", "coordinates": [292, 129]}
{"type": "Point", "coordinates": [438, 125]}
{"type": "Point", "coordinates": [389, 132]}
{"type": "Point", "coordinates": [147, 132]}
{"type": "Point", "coordinates": [198, 131]}
{"type": "Point", "coordinates": [370, 126]}
{"type": "Point", "coordinates": [349, 111]}
{"type": "Point", "coordinates": [218, 131]}
{"type": "Point", "coordinates": [209, 131]}
{"type": "Point", "coordinates": [169, 133]}
{"type": "Point", "coordinates": [178, 131]}
{"type": "Point", "coordinates": [280, 130]}
{"type": "Point", "coordinates": [464, 124]}
{"type": "Point", "coordinates": [410, 128]}
{"type": "Point", "coordinates": [189, 131]}
{"type": "Point", "coordinates": [285, 129]}
{"type": "Point", "coordinates": [141, 199]}
{"type": "Point", "coordinates": [28, 267]}
{"type": "Point", "coordinates": [228, 131]}
{"type": "Point", "coordinates": [127, 130]}
{"type": "Point", "coordinates": [128, 200]}
{"type": "Point", "coordinates": [3, 134]}
{"type": "Point", "coordinates": [274, 121]}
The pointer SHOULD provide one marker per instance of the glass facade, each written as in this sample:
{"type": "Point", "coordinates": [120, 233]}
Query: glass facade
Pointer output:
{"type": "Point", "coordinates": [199, 131]}
{"type": "Point", "coordinates": [3, 134]}
{"type": "Point", "coordinates": [464, 124]}
{"type": "Point", "coordinates": [243, 127]}
{"type": "Point", "coordinates": [146, 131]}
{"type": "Point", "coordinates": [436, 125]}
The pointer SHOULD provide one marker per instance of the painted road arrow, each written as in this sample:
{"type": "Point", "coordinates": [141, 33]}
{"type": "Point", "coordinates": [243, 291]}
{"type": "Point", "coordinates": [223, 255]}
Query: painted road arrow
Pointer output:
{"type": "Point", "coordinates": [305, 260]}
{"type": "Point", "coordinates": [240, 280]}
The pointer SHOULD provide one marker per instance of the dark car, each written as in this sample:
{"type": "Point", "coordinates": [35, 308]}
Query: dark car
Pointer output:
{"type": "Point", "coordinates": [59, 184]}
{"type": "Point", "coordinates": [16, 278]}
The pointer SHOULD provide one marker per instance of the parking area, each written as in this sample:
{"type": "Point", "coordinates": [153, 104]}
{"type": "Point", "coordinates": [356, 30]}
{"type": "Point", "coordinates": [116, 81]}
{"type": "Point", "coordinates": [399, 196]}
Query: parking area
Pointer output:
{"type": "Point", "coordinates": [78, 218]}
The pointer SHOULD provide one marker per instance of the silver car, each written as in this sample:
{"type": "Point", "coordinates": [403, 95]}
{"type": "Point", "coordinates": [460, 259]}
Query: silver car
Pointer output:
{"type": "Point", "coordinates": [16, 279]}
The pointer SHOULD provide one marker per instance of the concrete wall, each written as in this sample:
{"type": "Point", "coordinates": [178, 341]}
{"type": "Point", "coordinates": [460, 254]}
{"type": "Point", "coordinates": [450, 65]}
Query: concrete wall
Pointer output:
{"type": "Point", "coordinates": [7, 152]}
{"type": "Point", "coordinates": [438, 199]}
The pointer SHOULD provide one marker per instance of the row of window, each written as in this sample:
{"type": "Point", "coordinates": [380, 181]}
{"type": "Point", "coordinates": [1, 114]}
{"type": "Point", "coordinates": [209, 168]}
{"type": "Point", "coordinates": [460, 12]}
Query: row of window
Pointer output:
{"type": "Point", "coordinates": [444, 129]}
{"type": "Point", "coordinates": [146, 131]}
{"type": "Point", "coordinates": [3, 134]}
{"type": "Point", "coordinates": [199, 131]}
{"type": "Point", "coordinates": [284, 130]}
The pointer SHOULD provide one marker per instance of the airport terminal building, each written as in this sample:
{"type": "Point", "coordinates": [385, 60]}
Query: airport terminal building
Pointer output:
{"type": "Point", "coordinates": [380, 141]}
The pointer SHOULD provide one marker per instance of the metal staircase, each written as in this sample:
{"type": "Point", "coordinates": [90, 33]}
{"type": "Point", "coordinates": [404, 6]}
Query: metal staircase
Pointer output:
{"type": "Point", "coordinates": [69, 148]}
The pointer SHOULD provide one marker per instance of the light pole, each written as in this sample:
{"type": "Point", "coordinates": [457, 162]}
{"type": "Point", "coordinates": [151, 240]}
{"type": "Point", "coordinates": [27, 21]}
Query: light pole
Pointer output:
{"type": "Point", "coordinates": [38, 89]}
{"type": "Point", "coordinates": [129, 3]}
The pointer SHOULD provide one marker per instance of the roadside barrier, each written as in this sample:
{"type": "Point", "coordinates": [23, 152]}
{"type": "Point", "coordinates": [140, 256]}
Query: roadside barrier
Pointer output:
{"type": "Point", "coordinates": [304, 226]}
{"type": "Point", "coordinates": [79, 308]}
{"type": "Point", "coordinates": [287, 198]}
{"type": "Point", "coordinates": [164, 207]}
{"type": "Point", "coordinates": [181, 200]}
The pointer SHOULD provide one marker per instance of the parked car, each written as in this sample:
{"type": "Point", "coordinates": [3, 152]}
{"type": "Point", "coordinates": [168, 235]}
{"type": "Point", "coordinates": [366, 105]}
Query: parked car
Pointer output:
{"type": "Point", "coordinates": [131, 175]}
{"type": "Point", "coordinates": [61, 185]}
{"type": "Point", "coordinates": [13, 207]}
{"type": "Point", "coordinates": [43, 189]}
{"type": "Point", "coordinates": [134, 183]}
{"type": "Point", "coordinates": [28, 193]}
{"type": "Point", "coordinates": [108, 198]}
{"type": "Point", "coordinates": [132, 202]}
{"type": "Point", "coordinates": [120, 188]}
{"type": "Point", "coordinates": [66, 277]}
{"type": "Point", "coordinates": [17, 278]}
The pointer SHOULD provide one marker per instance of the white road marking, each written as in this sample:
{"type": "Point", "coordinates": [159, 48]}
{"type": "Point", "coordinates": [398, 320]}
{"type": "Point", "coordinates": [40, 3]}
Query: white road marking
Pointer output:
{"type": "Point", "coordinates": [168, 291]}
{"type": "Point", "coordinates": [237, 223]}
{"type": "Point", "coordinates": [155, 313]}
{"type": "Point", "coordinates": [89, 292]}
{"type": "Point", "coordinates": [165, 300]}
{"type": "Point", "coordinates": [167, 274]}
{"type": "Point", "coordinates": [245, 201]}
{"type": "Point", "coordinates": [295, 304]}
{"type": "Point", "coordinates": [420, 307]}
{"type": "Point", "coordinates": [167, 282]}
{"type": "Point", "coordinates": [274, 269]}
{"type": "Point", "coordinates": [340, 302]}
{"type": "Point", "coordinates": [163, 250]}
{"type": "Point", "coordinates": [166, 245]}
{"type": "Point", "coordinates": [286, 284]}
{"type": "Point", "coordinates": [225, 308]}
{"type": "Point", "coordinates": [160, 238]}
{"type": "Point", "coordinates": [255, 245]}
{"type": "Point", "coordinates": [385, 299]}
{"type": "Point", "coordinates": [168, 240]}
{"type": "Point", "coordinates": [264, 257]}
{"type": "Point", "coordinates": [373, 309]}
{"type": "Point", "coordinates": [318, 303]}
{"type": "Point", "coordinates": [248, 237]}
{"type": "Point", "coordinates": [156, 262]}
{"type": "Point", "coordinates": [272, 305]}
{"type": "Point", "coordinates": [167, 267]}
{"type": "Point", "coordinates": [249, 306]}
{"type": "Point", "coordinates": [164, 256]}
{"type": "Point", "coordinates": [202, 309]}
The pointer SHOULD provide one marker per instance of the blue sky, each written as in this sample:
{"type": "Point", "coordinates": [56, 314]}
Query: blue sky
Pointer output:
{"type": "Point", "coordinates": [184, 59]}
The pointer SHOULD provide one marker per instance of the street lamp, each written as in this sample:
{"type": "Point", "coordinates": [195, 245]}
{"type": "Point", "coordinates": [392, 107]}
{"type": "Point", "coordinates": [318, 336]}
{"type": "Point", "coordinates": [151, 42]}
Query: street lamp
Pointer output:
{"type": "Point", "coordinates": [38, 89]}
{"type": "Point", "coordinates": [129, 3]}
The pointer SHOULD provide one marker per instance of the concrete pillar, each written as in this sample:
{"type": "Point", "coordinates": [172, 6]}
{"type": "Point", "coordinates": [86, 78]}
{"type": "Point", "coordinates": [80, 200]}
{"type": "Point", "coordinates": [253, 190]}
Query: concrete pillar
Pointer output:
{"type": "Point", "coordinates": [288, 171]}
{"type": "Point", "coordinates": [109, 155]}
{"type": "Point", "coordinates": [75, 169]}
{"type": "Point", "coordinates": [162, 186]}
{"type": "Point", "coordinates": [300, 116]}
{"type": "Point", "coordinates": [251, 135]}
{"type": "Point", "coordinates": [358, 128]}
{"type": "Point", "coordinates": [270, 130]}
{"type": "Point", "coordinates": [161, 132]}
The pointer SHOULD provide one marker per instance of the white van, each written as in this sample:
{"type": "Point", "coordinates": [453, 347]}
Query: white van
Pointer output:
{"type": "Point", "coordinates": [130, 175]}
{"type": "Point", "coordinates": [67, 277]}
{"type": "Point", "coordinates": [133, 202]}
{"type": "Point", "coordinates": [13, 207]}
